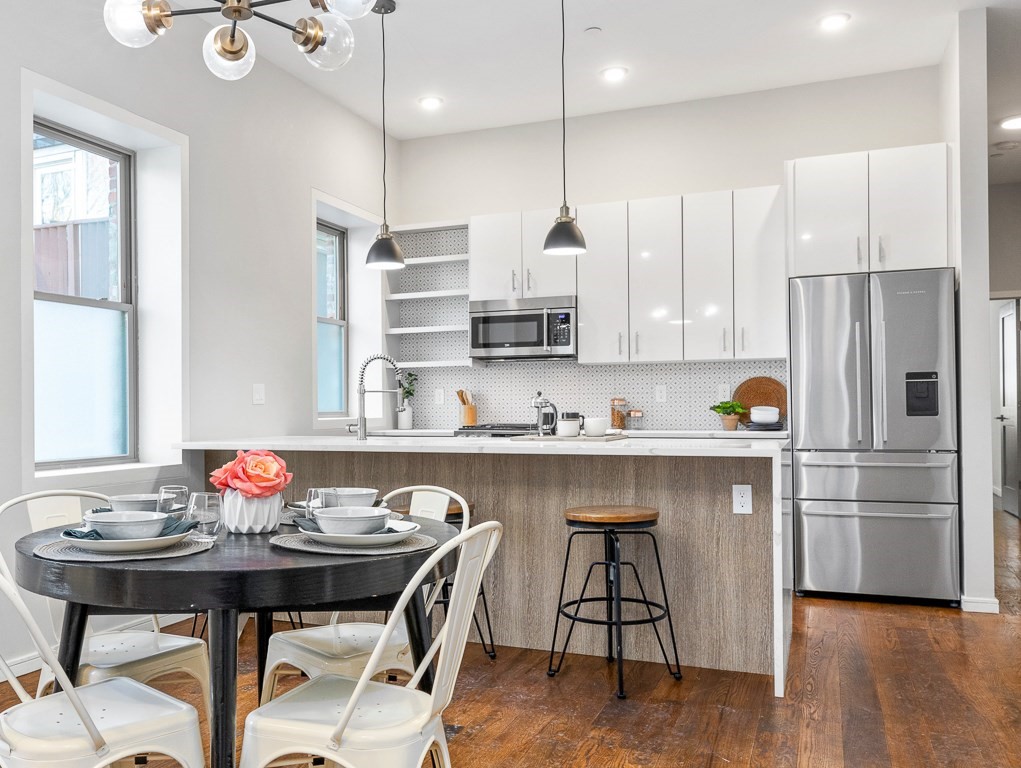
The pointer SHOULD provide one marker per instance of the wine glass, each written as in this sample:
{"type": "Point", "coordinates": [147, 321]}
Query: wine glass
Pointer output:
{"type": "Point", "coordinates": [173, 499]}
{"type": "Point", "coordinates": [312, 497]}
{"type": "Point", "coordinates": [204, 508]}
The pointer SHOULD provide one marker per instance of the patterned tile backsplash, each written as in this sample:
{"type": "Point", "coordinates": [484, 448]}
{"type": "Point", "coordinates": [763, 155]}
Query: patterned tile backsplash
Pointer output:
{"type": "Point", "coordinates": [502, 390]}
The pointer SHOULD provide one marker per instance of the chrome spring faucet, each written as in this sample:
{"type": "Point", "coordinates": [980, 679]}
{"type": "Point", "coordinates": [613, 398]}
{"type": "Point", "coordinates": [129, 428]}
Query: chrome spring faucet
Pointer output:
{"type": "Point", "coordinates": [362, 391]}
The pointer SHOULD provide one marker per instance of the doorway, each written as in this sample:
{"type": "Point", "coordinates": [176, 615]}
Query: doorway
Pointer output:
{"type": "Point", "coordinates": [1007, 462]}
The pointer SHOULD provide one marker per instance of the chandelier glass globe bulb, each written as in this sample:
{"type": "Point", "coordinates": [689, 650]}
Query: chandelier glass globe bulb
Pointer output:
{"type": "Point", "coordinates": [125, 22]}
{"type": "Point", "coordinates": [350, 9]}
{"type": "Point", "coordinates": [222, 67]}
{"type": "Point", "coordinates": [338, 44]}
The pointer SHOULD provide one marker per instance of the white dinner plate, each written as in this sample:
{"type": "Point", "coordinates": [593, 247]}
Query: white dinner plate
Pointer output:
{"type": "Point", "coordinates": [119, 546]}
{"type": "Point", "coordinates": [403, 529]}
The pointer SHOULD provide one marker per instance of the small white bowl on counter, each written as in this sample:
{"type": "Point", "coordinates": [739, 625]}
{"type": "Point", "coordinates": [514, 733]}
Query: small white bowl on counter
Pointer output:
{"type": "Point", "coordinates": [125, 525]}
{"type": "Point", "coordinates": [357, 520]}
{"type": "Point", "coordinates": [765, 414]}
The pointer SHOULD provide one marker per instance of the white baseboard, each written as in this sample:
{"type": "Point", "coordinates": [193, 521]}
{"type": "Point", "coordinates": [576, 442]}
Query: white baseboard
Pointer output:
{"type": "Point", "coordinates": [997, 491]}
{"type": "Point", "coordinates": [980, 604]}
{"type": "Point", "coordinates": [31, 662]}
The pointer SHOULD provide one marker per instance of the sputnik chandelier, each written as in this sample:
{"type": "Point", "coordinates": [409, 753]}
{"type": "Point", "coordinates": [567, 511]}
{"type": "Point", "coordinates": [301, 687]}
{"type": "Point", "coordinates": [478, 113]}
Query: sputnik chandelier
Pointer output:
{"type": "Point", "coordinates": [326, 38]}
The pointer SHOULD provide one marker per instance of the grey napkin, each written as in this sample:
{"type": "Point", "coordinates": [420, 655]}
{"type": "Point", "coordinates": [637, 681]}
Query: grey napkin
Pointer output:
{"type": "Point", "coordinates": [308, 524]}
{"type": "Point", "coordinates": [170, 528]}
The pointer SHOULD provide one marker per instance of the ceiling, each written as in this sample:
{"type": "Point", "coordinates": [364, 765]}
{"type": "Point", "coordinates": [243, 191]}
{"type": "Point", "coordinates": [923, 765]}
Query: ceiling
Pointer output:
{"type": "Point", "coordinates": [1004, 92]}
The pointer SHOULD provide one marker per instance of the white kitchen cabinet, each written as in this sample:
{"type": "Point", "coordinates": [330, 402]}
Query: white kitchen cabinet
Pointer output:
{"type": "Point", "coordinates": [831, 214]}
{"type": "Point", "coordinates": [494, 266]}
{"type": "Point", "coordinates": [603, 284]}
{"type": "Point", "coordinates": [544, 275]}
{"type": "Point", "coordinates": [709, 276]}
{"type": "Point", "coordinates": [760, 274]}
{"type": "Point", "coordinates": [655, 278]}
{"type": "Point", "coordinates": [908, 208]}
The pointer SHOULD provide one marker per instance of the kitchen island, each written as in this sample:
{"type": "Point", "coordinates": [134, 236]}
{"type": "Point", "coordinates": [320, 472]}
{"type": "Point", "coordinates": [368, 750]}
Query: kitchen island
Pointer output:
{"type": "Point", "coordinates": [728, 586]}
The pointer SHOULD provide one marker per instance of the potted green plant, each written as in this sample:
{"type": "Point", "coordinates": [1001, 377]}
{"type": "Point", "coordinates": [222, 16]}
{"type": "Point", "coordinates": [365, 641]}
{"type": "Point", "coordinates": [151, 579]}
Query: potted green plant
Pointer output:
{"type": "Point", "coordinates": [407, 384]}
{"type": "Point", "coordinates": [730, 412]}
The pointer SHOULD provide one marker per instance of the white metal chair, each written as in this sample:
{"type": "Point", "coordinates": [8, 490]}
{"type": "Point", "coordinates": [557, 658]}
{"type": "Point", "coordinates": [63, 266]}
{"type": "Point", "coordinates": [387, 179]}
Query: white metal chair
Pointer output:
{"type": "Point", "coordinates": [359, 723]}
{"type": "Point", "coordinates": [138, 654]}
{"type": "Point", "coordinates": [343, 649]}
{"type": "Point", "coordinates": [92, 725]}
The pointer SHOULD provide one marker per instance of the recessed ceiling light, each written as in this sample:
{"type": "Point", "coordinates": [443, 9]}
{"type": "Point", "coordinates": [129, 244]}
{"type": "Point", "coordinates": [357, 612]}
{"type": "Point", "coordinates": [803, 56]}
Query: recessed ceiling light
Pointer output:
{"type": "Point", "coordinates": [614, 74]}
{"type": "Point", "coordinates": [593, 30]}
{"type": "Point", "coordinates": [431, 103]}
{"type": "Point", "coordinates": [834, 22]}
{"type": "Point", "coordinates": [997, 154]}
{"type": "Point", "coordinates": [1007, 146]}
{"type": "Point", "coordinates": [1012, 123]}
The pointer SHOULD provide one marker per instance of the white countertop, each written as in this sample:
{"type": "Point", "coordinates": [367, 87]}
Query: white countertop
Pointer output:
{"type": "Point", "coordinates": [715, 434]}
{"type": "Point", "coordinates": [659, 446]}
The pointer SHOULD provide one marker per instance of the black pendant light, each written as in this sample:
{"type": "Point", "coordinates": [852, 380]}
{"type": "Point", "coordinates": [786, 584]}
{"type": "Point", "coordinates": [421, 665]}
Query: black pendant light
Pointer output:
{"type": "Point", "coordinates": [385, 253]}
{"type": "Point", "coordinates": [564, 238]}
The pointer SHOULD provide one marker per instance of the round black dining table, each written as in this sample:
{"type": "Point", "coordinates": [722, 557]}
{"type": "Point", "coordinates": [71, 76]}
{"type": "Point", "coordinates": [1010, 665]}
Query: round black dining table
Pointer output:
{"type": "Point", "coordinates": [242, 573]}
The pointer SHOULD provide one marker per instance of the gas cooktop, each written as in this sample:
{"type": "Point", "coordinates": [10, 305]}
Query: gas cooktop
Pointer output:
{"type": "Point", "coordinates": [496, 430]}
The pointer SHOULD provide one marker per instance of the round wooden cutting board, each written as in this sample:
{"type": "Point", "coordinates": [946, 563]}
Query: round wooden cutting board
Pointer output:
{"type": "Point", "coordinates": [761, 390]}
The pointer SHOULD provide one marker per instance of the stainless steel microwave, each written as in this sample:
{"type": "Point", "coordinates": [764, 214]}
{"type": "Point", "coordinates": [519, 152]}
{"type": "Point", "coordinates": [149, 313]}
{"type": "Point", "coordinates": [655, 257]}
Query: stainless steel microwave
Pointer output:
{"type": "Point", "coordinates": [543, 328]}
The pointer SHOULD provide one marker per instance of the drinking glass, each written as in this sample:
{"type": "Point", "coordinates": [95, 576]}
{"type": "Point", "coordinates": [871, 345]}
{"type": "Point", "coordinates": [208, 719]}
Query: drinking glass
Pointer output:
{"type": "Point", "coordinates": [204, 508]}
{"type": "Point", "coordinates": [312, 497]}
{"type": "Point", "coordinates": [173, 499]}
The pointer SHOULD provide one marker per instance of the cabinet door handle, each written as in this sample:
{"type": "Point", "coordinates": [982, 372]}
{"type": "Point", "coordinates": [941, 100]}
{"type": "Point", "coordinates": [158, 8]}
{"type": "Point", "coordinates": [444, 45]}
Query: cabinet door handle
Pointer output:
{"type": "Point", "coordinates": [858, 248]}
{"type": "Point", "coordinates": [620, 343]}
{"type": "Point", "coordinates": [724, 339]}
{"type": "Point", "coordinates": [528, 279]}
{"type": "Point", "coordinates": [636, 343]}
{"type": "Point", "coordinates": [514, 280]}
{"type": "Point", "coordinates": [882, 251]}
{"type": "Point", "coordinates": [742, 339]}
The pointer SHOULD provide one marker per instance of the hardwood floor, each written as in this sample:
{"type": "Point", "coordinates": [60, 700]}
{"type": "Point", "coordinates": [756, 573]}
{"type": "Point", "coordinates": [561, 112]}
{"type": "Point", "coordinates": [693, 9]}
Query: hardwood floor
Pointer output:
{"type": "Point", "coordinates": [870, 684]}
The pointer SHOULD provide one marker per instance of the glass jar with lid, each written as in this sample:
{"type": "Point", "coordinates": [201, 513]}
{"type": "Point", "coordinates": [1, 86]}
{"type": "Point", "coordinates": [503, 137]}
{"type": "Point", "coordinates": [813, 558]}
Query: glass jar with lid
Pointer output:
{"type": "Point", "coordinates": [618, 413]}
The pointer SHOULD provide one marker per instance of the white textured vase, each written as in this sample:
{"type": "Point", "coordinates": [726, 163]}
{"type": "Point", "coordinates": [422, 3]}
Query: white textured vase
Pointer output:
{"type": "Point", "coordinates": [404, 417]}
{"type": "Point", "coordinates": [245, 515]}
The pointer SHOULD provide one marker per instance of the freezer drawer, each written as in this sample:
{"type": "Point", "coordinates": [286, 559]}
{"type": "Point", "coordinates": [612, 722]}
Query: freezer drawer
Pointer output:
{"type": "Point", "coordinates": [912, 477]}
{"type": "Point", "coordinates": [899, 550]}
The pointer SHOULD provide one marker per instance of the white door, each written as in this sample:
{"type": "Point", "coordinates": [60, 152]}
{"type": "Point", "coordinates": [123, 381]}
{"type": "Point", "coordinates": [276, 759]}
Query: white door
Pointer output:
{"type": "Point", "coordinates": [831, 214]}
{"type": "Point", "coordinates": [908, 208]}
{"type": "Point", "coordinates": [709, 276]}
{"type": "Point", "coordinates": [760, 274]}
{"type": "Point", "coordinates": [544, 275]}
{"type": "Point", "coordinates": [603, 284]}
{"type": "Point", "coordinates": [655, 277]}
{"type": "Point", "coordinates": [1007, 417]}
{"type": "Point", "coordinates": [494, 260]}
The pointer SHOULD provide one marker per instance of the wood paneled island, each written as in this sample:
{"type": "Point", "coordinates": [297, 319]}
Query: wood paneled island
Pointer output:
{"type": "Point", "coordinates": [724, 572]}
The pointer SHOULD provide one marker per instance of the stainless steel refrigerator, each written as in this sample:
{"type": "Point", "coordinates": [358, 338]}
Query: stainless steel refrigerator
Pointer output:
{"type": "Point", "coordinates": [874, 420]}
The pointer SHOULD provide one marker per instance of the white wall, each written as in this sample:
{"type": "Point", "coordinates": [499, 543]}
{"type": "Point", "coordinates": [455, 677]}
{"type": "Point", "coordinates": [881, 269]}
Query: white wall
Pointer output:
{"type": "Point", "coordinates": [722, 143]}
{"type": "Point", "coordinates": [1005, 240]}
{"type": "Point", "coordinates": [964, 109]}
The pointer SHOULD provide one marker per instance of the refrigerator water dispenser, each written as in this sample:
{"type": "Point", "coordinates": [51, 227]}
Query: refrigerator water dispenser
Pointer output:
{"type": "Point", "coordinates": [922, 394]}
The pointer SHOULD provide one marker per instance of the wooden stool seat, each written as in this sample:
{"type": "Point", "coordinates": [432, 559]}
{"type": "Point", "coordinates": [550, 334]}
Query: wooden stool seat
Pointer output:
{"type": "Point", "coordinates": [453, 509]}
{"type": "Point", "coordinates": [611, 515]}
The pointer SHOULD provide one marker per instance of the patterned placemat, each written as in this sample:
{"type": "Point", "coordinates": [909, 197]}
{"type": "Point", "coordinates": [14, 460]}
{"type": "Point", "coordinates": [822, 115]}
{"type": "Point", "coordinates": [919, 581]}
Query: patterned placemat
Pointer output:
{"type": "Point", "coordinates": [69, 552]}
{"type": "Point", "coordinates": [287, 516]}
{"type": "Point", "coordinates": [302, 543]}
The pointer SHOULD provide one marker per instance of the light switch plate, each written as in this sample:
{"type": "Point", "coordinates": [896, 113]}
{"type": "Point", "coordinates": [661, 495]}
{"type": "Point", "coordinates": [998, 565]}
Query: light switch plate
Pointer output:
{"type": "Point", "coordinates": [661, 393]}
{"type": "Point", "coordinates": [258, 394]}
{"type": "Point", "coordinates": [742, 499]}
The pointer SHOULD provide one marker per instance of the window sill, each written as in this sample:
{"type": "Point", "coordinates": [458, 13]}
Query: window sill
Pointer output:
{"type": "Point", "coordinates": [84, 477]}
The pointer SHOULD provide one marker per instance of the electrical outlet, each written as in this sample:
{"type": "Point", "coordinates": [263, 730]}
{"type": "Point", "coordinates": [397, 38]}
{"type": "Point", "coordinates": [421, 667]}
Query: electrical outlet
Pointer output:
{"type": "Point", "coordinates": [438, 396]}
{"type": "Point", "coordinates": [258, 394]}
{"type": "Point", "coordinates": [742, 499]}
{"type": "Point", "coordinates": [723, 392]}
{"type": "Point", "coordinates": [661, 393]}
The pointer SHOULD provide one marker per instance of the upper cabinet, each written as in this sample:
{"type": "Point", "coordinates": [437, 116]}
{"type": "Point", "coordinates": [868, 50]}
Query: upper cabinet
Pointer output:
{"type": "Point", "coordinates": [544, 275]}
{"type": "Point", "coordinates": [494, 266]}
{"type": "Point", "coordinates": [871, 211]}
{"type": "Point", "coordinates": [507, 262]}
{"type": "Point", "coordinates": [603, 284]}
{"type": "Point", "coordinates": [709, 276]}
{"type": "Point", "coordinates": [655, 270]}
{"type": "Point", "coordinates": [908, 208]}
{"type": "Point", "coordinates": [760, 276]}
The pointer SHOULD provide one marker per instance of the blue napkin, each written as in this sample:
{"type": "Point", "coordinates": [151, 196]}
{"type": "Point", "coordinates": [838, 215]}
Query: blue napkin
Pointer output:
{"type": "Point", "coordinates": [170, 528]}
{"type": "Point", "coordinates": [308, 524]}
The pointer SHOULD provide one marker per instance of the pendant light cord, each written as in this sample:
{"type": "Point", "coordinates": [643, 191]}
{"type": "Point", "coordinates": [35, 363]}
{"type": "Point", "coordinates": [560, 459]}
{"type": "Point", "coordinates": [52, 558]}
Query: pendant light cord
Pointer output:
{"type": "Point", "coordinates": [382, 25]}
{"type": "Point", "coordinates": [563, 94]}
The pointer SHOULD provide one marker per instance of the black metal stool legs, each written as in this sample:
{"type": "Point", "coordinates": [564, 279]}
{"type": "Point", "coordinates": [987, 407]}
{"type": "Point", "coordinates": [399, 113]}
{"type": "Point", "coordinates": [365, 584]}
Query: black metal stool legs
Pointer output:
{"type": "Point", "coordinates": [618, 618]}
{"type": "Point", "coordinates": [490, 646]}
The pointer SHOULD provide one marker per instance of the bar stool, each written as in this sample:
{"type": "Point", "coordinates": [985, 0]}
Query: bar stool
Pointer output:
{"type": "Point", "coordinates": [613, 522]}
{"type": "Point", "coordinates": [454, 518]}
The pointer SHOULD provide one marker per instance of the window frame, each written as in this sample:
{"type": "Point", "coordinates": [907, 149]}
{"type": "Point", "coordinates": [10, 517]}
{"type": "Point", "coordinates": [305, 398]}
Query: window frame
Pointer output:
{"type": "Point", "coordinates": [341, 234]}
{"type": "Point", "coordinates": [129, 284]}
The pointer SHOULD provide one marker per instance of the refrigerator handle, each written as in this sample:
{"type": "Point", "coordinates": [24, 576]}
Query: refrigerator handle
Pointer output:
{"type": "Point", "coordinates": [857, 365]}
{"type": "Point", "coordinates": [882, 380]}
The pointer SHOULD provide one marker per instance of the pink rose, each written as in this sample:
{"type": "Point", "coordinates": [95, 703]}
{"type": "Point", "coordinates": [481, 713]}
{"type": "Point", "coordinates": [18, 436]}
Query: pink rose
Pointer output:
{"type": "Point", "coordinates": [255, 474]}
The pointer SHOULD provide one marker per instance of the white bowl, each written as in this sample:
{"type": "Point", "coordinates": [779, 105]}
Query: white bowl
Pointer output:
{"type": "Point", "coordinates": [351, 519]}
{"type": "Point", "coordinates": [348, 497]}
{"type": "Point", "coordinates": [765, 414]}
{"type": "Point", "coordinates": [125, 525]}
{"type": "Point", "coordinates": [135, 502]}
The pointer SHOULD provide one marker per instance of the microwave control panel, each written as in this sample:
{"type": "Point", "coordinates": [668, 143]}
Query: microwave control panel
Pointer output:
{"type": "Point", "coordinates": [560, 329]}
